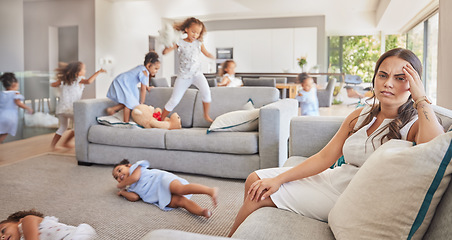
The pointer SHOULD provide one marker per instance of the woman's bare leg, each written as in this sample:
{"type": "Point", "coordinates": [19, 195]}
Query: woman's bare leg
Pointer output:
{"type": "Point", "coordinates": [176, 187]}
{"type": "Point", "coordinates": [183, 202]}
{"type": "Point", "coordinates": [249, 206]}
{"type": "Point", "coordinates": [114, 109]}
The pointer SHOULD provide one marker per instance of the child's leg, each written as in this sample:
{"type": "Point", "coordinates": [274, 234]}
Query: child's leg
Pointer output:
{"type": "Point", "coordinates": [201, 83]}
{"type": "Point", "coordinates": [183, 202]}
{"type": "Point", "coordinates": [127, 112]}
{"type": "Point", "coordinates": [180, 87]}
{"type": "Point", "coordinates": [176, 187]}
{"type": "Point", "coordinates": [2, 137]}
{"type": "Point", "coordinates": [63, 121]}
{"type": "Point", "coordinates": [114, 109]}
{"type": "Point", "coordinates": [69, 138]}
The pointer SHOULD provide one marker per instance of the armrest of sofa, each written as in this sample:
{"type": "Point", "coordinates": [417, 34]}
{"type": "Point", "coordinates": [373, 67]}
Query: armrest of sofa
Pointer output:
{"type": "Point", "coordinates": [274, 125]}
{"type": "Point", "coordinates": [309, 134]}
{"type": "Point", "coordinates": [85, 113]}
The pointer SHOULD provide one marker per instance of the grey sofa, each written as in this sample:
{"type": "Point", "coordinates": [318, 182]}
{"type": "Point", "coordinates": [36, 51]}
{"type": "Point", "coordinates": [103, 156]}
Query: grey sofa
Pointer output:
{"type": "Point", "coordinates": [190, 149]}
{"type": "Point", "coordinates": [273, 223]}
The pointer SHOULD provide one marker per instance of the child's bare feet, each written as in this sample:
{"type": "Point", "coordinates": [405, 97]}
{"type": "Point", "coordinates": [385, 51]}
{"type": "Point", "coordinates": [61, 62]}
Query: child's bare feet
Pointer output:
{"type": "Point", "coordinates": [206, 213]}
{"type": "Point", "coordinates": [215, 196]}
{"type": "Point", "coordinates": [110, 111]}
{"type": "Point", "coordinates": [207, 117]}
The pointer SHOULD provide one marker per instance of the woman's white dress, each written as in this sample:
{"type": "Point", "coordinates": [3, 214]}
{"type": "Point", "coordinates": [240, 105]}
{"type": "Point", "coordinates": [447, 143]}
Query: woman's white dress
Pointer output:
{"type": "Point", "coordinates": [315, 196]}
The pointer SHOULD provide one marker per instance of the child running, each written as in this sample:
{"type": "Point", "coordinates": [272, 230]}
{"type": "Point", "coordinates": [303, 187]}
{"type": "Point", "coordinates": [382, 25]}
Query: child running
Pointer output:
{"type": "Point", "coordinates": [161, 188]}
{"type": "Point", "coordinates": [10, 101]}
{"type": "Point", "coordinates": [124, 90]}
{"type": "Point", "coordinates": [34, 225]}
{"type": "Point", "coordinates": [71, 81]}
{"type": "Point", "coordinates": [189, 51]}
{"type": "Point", "coordinates": [227, 73]}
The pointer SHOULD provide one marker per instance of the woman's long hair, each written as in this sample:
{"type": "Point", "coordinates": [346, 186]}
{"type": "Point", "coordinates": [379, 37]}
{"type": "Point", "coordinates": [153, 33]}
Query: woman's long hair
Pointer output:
{"type": "Point", "coordinates": [406, 112]}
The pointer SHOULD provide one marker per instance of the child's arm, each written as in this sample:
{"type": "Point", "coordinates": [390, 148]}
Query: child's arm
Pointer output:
{"type": "Point", "coordinates": [206, 53]}
{"type": "Point", "coordinates": [56, 84]}
{"type": "Point", "coordinates": [30, 226]}
{"type": "Point", "coordinates": [22, 105]}
{"type": "Point", "coordinates": [169, 49]}
{"type": "Point", "coordinates": [143, 93]}
{"type": "Point", "coordinates": [131, 196]}
{"type": "Point", "coordinates": [93, 77]}
{"type": "Point", "coordinates": [132, 178]}
{"type": "Point", "coordinates": [224, 82]}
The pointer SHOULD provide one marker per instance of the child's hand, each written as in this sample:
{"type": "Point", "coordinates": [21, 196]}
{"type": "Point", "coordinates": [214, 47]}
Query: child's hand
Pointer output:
{"type": "Point", "coordinates": [29, 110]}
{"type": "Point", "coordinates": [102, 70]}
{"type": "Point", "coordinates": [148, 88]}
{"type": "Point", "coordinates": [299, 94]}
{"type": "Point", "coordinates": [120, 192]}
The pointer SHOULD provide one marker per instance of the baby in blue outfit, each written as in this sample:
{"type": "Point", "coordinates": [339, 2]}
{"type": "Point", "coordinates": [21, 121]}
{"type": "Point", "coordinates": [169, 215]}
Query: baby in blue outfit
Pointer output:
{"type": "Point", "coordinates": [307, 96]}
{"type": "Point", "coordinates": [161, 188]}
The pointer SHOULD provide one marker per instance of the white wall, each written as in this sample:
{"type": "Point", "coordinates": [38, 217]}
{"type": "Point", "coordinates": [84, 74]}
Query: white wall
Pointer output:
{"type": "Point", "coordinates": [12, 36]}
{"type": "Point", "coordinates": [122, 36]}
{"type": "Point", "coordinates": [445, 55]}
{"type": "Point", "coordinates": [41, 17]}
{"type": "Point", "coordinates": [267, 50]}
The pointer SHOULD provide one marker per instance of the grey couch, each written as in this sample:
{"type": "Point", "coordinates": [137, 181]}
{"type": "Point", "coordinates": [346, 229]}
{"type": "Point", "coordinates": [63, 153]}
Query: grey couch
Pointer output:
{"type": "Point", "coordinates": [190, 149]}
{"type": "Point", "coordinates": [273, 223]}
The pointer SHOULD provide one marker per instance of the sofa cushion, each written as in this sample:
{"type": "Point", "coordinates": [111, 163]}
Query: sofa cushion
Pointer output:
{"type": "Point", "coordinates": [395, 193]}
{"type": "Point", "coordinates": [196, 139]}
{"type": "Point", "coordinates": [272, 223]}
{"type": "Point", "coordinates": [147, 138]}
{"type": "Point", "coordinates": [226, 99]}
{"type": "Point", "coordinates": [236, 121]}
{"type": "Point", "coordinates": [159, 97]}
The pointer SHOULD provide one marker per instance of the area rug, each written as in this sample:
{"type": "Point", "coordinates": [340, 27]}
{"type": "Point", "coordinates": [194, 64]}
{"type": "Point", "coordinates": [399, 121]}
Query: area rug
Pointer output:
{"type": "Point", "coordinates": [57, 186]}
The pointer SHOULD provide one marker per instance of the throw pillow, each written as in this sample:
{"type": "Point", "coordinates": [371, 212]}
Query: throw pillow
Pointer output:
{"type": "Point", "coordinates": [116, 120]}
{"type": "Point", "coordinates": [236, 121]}
{"type": "Point", "coordinates": [395, 193]}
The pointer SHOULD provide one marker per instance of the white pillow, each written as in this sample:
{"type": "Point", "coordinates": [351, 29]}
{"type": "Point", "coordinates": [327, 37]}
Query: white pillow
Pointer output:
{"type": "Point", "coordinates": [237, 121]}
{"type": "Point", "coordinates": [395, 193]}
{"type": "Point", "coordinates": [116, 120]}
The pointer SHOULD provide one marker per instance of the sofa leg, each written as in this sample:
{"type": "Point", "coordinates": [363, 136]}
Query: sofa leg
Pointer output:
{"type": "Point", "coordinates": [84, 163]}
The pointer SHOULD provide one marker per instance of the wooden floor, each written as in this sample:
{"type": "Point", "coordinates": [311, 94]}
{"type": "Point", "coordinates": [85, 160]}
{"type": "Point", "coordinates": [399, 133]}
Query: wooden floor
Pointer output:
{"type": "Point", "coordinates": [14, 151]}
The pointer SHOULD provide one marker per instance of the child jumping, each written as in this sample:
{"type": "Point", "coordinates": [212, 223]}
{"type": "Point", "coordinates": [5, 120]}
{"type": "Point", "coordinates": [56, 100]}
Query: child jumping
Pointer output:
{"type": "Point", "coordinates": [10, 101]}
{"type": "Point", "coordinates": [71, 81]}
{"type": "Point", "coordinates": [161, 188]}
{"type": "Point", "coordinates": [227, 73]}
{"type": "Point", "coordinates": [307, 96]}
{"type": "Point", "coordinates": [189, 51]}
{"type": "Point", "coordinates": [34, 225]}
{"type": "Point", "coordinates": [124, 90]}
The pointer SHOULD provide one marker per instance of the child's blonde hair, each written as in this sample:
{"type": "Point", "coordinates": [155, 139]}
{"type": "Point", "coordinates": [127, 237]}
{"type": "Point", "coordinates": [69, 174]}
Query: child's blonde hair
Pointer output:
{"type": "Point", "coordinates": [225, 65]}
{"type": "Point", "coordinates": [187, 23]}
{"type": "Point", "coordinates": [67, 73]}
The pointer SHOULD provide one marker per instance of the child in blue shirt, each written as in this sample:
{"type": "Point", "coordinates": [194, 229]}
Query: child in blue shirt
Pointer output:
{"type": "Point", "coordinates": [307, 96]}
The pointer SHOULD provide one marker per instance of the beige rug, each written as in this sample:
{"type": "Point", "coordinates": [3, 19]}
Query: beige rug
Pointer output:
{"type": "Point", "coordinates": [57, 186]}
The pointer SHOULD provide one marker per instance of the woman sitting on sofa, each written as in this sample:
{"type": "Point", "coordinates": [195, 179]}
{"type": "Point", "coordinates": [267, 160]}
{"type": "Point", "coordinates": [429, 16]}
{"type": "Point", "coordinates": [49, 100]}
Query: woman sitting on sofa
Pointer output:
{"type": "Point", "coordinates": [400, 110]}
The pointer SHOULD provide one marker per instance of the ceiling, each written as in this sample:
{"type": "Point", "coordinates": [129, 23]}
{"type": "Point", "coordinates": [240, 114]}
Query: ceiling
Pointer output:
{"type": "Point", "coordinates": [342, 17]}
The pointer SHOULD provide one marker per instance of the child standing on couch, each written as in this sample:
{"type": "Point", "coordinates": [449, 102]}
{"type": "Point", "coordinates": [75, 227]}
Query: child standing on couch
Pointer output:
{"type": "Point", "coordinates": [189, 51]}
{"type": "Point", "coordinates": [124, 90]}
{"type": "Point", "coordinates": [161, 188]}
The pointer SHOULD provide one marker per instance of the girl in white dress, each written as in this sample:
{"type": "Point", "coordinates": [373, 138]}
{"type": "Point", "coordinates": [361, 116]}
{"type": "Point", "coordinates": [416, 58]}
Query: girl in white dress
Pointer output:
{"type": "Point", "coordinates": [311, 188]}
{"type": "Point", "coordinates": [189, 51]}
{"type": "Point", "coordinates": [71, 81]}
{"type": "Point", "coordinates": [34, 225]}
{"type": "Point", "coordinates": [10, 101]}
{"type": "Point", "coordinates": [228, 73]}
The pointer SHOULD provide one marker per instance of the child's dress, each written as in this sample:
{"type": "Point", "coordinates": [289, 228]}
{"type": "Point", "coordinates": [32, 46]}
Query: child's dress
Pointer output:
{"type": "Point", "coordinates": [124, 87]}
{"type": "Point", "coordinates": [68, 95]}
{"type": "Point", "coordinates": [50, 229]}
{"type": "Point", "coordinates": [8, 112]}
{"type": "Point", "coordinates": [309, 103]}
{"type": "Point", "coordinates": [153, 185]}
{"type": "Point", "coordinates": [235, 82]}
